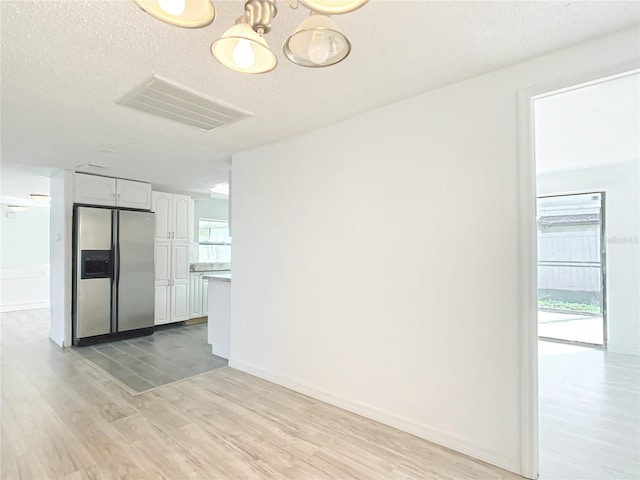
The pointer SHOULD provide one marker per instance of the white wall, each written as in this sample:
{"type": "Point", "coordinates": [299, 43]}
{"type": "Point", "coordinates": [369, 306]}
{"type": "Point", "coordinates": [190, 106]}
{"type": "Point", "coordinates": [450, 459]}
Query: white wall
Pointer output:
{"type": "Point", "coordinates": [621, 182]}
{"type": "Point", "coordinates": [376, 261]}
{"type": "Point", "coordinates": [24, 259]}
{"type": "Point", "coordinates": [61, 259]}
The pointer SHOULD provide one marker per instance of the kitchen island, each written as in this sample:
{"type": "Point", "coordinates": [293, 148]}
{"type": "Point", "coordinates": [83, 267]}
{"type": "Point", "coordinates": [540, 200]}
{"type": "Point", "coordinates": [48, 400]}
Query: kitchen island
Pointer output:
{"type": "Point", "coordinates": [219, 318]}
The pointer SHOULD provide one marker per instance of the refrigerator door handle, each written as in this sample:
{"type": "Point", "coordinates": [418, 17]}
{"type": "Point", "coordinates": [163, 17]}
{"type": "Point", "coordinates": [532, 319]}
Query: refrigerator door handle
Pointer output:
{"type": "Point", "coordinates": [116, 269]}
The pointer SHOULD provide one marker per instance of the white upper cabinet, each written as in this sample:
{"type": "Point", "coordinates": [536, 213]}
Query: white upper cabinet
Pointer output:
{"type": "Point", "coordinates": [111, 192]}
{"type": "Point", "coordinates": [173, 216]}
{"type": "Point", "coordinates": [133, 194]}
{"type": "Point", "coordinates": [161, 205]}
{"type": "Point", "coordinates": [181, 212]}
{"type": "Point", "coordinates": [94, 190]}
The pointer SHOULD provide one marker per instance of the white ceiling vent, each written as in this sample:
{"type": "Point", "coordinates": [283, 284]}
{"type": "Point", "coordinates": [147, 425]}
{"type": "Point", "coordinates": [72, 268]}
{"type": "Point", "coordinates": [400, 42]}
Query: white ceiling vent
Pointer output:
{"type": "Point", "coordinates": [168, 100]}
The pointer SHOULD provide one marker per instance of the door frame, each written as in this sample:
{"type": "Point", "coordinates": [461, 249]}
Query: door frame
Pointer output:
{"type": "Point", "coordinates": [603, 266]}
{"type": "Point", "coordinates": [527, 265]}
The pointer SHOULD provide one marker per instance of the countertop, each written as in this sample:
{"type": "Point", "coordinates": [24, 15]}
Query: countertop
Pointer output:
{"type": "Point", "coordinates": [209, 267]}
{"type": "Point", "coordinates": [220, 277]}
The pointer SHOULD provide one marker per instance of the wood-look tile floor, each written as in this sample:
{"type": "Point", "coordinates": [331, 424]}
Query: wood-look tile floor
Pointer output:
{"type": "Point", "coordinates": [63, 419]}
{"type": "Point", "coordinates": [589, 413]}
{"type": "Point", "coordinates": [141, 364]}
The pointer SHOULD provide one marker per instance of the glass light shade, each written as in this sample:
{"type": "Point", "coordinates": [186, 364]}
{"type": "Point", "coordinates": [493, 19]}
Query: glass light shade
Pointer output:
{"type": "Point", "coordinates": [243, 50]}
{"type": "Point", "coordinates": [317, 42]}
{"type": "Point", "coordinates": [333, 7]}
{"type": "Point", "coordinates": [181, 13]}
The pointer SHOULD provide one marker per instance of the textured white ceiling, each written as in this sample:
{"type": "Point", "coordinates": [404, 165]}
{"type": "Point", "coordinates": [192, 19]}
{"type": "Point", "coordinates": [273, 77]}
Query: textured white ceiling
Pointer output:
{"type": "Point", "coordinates": [65, 63]}
{"type": "Point", "coordinates": [18, 181]}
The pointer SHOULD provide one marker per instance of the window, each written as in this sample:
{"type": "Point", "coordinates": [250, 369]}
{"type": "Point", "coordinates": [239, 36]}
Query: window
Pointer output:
{"type": "Point", "coordinates": [214, 242]}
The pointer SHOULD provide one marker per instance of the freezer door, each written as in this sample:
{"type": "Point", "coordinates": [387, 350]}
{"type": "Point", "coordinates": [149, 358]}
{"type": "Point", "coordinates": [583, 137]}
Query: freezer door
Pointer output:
{"type": "Point", "coordinates": [134, 270]}
{"type": "Point", "coordinates": [93, 295]}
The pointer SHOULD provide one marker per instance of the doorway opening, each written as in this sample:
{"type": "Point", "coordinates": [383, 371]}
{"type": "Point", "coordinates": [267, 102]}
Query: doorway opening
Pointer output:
{"type": "Point", "coordinates": [24, 256]}
{"type": "Point", "coordinates": [571, 269]}
{"type": "Point", "coordinates": [587, 186]}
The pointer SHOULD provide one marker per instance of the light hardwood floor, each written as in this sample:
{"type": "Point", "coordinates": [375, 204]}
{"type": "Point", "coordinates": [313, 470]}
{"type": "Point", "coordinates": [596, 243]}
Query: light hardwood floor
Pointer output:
{"type": "Point", "coordinates": [63, 419]}
{"type": "Point", "coordinates": [589, 414]}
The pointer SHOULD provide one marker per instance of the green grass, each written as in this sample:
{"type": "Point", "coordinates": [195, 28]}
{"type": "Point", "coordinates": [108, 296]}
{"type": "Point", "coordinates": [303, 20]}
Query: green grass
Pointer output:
{"type": "Point", "coordinates": [570, 306]}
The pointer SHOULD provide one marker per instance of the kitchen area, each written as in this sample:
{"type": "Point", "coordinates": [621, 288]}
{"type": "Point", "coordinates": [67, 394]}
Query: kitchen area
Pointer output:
{"type": "Point", "coordinates": [151, 283]}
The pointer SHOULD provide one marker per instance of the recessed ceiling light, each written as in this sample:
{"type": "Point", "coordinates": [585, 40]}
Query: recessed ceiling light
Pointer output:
{"type": "Point", "coordinates": [16, 208]}
{"type": "Point", "coordinates": [40, 196]}
{"type": "Point", "coordinates": [221, 188]}
{"type": "Point", "coordinates": [106, 150]}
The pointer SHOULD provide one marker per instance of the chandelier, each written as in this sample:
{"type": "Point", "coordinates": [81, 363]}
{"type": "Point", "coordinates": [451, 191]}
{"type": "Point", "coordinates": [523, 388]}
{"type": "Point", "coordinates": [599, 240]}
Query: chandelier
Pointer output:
{"type": "Point", "coordinates": [317, 42]}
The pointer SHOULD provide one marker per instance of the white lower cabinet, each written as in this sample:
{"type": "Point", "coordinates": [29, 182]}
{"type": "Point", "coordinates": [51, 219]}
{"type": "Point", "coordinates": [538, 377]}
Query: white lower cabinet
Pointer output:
{"type": "Point", "coordinates": [205, 298]}
{"type": "Point", "coordinates": [194, 295]}
{"type": "Point", "coordinates": [199, 295]}
{"type": "Point", "coordinates": [180, 302]}
{"type": "Point", "coordinates": [163, 304]}
{"type": "Point", "coordinates": [172, 282]}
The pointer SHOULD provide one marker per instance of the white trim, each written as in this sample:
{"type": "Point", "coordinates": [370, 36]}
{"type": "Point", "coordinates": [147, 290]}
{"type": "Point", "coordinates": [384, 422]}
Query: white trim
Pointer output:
{"type": "Point", "coordinates": [528, 289]}
{"type": "Point", "coordinates": [441, 437]}
{"type": "Point", "coordinates": [527, 251]}
{"type": "Point", "coordinates": [15, 307]}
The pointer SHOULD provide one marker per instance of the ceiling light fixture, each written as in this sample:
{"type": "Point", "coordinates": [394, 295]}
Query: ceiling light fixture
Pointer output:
{"type": "Point", "coordinates": [243, 49]}
{"type": "Point", "coordinates": [317, 42]}
{"type": "Point", "coordinates": [40, 196]}
{"type": "Point", "coordinates": [333, 7]}
{"type": "Point", "coordinates": [221, 188]}
{"type": "Point", "coordinates": [181, 13]}
{"type": "Point", "coordinates": [16, 208]}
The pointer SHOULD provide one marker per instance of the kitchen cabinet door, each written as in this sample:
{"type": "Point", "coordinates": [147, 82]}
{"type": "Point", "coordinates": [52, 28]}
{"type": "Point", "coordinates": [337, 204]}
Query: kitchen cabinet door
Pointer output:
{"type": "Point", "coordinates": [179, 301]}
{"type": "Point", "coordinates": [179, 282]}
{"type": "Point", "coordinates": [180, 262]}
{"type": "Point", "coordinates": [133, 194]}
{"type": "Point", "coordinates": [162, 305]}
{"type": "Point", "coordinates": [162, 262]}
{"type": "Point", "coordinates": [161, 205]}
{"type": "Point", "coordinates": [94, 190]}
{"type": "Point", "coordinates": [181, 210]}
{"type": "Point", "coordinates": [195, 302]}
{"type": "Point", "coordinates": [205, 298]}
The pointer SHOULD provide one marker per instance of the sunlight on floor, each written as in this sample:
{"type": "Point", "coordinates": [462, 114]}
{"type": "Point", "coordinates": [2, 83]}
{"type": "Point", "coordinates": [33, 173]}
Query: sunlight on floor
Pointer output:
{"type": "Point", "coordinates": [573, 327]}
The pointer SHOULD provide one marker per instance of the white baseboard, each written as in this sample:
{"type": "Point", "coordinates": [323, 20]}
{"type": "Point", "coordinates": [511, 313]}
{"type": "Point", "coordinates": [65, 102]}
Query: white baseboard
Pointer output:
{"type": "Point", "coordinates": [626, 348]}
{"type": "Point", "coordinates": [23, 306]}
{"type": "Point", "coordinates": [435, 435]}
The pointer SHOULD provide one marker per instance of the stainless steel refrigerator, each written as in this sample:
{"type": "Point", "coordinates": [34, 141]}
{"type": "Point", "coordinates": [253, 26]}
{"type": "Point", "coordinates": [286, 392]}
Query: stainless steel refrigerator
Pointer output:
{"type": "Point", "coordinates": [113, 280]}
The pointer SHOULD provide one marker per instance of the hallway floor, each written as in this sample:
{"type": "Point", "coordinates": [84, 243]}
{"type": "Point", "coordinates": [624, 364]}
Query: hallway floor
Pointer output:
{"type": "Point", "coordinates": [589, 414]}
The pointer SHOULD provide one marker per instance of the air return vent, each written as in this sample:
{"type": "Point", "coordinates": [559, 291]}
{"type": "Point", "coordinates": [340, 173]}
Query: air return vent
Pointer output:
{"type": "Point", "coordinates": [165, 99]}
